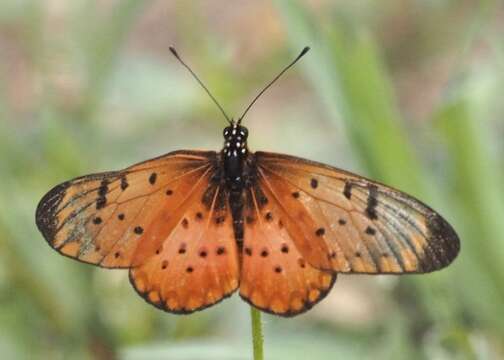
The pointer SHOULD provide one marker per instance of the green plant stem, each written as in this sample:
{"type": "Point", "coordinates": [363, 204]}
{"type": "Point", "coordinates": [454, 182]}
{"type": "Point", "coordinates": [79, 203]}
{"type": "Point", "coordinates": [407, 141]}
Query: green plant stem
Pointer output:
{"type": "Point", "coordinates": [257, 335]}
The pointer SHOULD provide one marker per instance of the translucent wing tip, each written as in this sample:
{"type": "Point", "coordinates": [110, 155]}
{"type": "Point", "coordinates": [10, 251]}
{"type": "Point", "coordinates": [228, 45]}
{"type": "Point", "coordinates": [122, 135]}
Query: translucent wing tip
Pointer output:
{"type": "Point", "coordinates": [45, 215]}
{"type": "Point", "coordinates": [444, 243]}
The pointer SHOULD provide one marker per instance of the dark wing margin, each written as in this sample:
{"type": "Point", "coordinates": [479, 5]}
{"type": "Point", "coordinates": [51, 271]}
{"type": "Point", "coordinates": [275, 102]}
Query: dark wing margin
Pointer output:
{"type": "Point", "coordinates": [47, 208]}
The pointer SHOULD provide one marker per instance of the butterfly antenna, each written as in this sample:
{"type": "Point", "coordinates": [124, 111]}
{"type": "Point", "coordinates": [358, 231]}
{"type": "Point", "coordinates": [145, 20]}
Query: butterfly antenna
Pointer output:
{"type": "Point", "coordinates": [174, 52]}
{"type": "Point", "coordinates": [303, 52]}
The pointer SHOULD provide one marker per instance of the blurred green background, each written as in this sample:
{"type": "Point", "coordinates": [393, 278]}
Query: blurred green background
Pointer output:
{"type": "Point", "coordinates": [407, 92]}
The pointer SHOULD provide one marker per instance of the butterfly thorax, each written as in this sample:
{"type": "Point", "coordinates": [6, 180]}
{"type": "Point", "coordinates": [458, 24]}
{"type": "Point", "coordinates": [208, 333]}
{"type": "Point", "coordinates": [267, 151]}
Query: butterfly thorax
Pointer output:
{"type": "Point", "coordinates": [234, 155]}
{"type": "Point", "coordinates": [234, 161]}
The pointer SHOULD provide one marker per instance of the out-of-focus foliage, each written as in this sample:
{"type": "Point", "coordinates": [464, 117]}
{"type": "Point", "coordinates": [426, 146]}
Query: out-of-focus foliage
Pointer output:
{"type": "Point", "coordinates": [408, 92]}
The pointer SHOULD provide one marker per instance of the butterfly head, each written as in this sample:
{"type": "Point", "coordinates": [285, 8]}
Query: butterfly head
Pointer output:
{"type": "Point", "coordinates": [235, 140]}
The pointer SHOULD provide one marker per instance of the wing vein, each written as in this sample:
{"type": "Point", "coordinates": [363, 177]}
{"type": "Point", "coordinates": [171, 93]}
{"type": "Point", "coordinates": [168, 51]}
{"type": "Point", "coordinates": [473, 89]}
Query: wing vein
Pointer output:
{"type": "Point", "coordinates": [397, 230]}
{"type": "Point", "coordinates": [281, 206]}
{"type": "Point", "coordinates": [117, 176]}
{"type": "Point", "coordinates": [190, 193]}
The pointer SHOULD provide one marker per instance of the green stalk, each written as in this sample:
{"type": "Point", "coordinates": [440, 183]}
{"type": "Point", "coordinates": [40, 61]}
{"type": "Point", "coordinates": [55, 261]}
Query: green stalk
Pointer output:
{"type": "Point", "coordinates": [257, 335]}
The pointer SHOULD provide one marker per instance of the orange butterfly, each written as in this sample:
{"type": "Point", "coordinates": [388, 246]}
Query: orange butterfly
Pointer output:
{"type": "Point", "coordinates": [194, 226]}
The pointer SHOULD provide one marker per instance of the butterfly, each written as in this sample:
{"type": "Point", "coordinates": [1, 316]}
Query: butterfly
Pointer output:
{"type": "Point", "coordinates": [193, 227]}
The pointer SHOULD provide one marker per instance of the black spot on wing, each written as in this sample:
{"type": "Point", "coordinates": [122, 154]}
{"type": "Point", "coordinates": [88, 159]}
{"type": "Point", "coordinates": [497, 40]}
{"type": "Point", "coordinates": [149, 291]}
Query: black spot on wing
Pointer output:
{"type": "Point", "coordinates": [262, 200]}
{"type": "Point", "coordinates": [103, 189]}
{"type": "Point", "coordinates": [124, 182]}
{"type": "Point", "coordinates": [347, 190]}
{"type": "Point", "coordinates": [152, 178]}
{"type": "Point", "coordinates": [101, 200]}
{"type": "Point", "coordinates": [370, 231]}
{"type": "Point", "coordinates": [372, 202]}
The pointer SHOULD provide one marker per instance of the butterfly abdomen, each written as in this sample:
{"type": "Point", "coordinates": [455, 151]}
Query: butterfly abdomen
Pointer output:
{"type": "Point", "coordinates": [236, 205]}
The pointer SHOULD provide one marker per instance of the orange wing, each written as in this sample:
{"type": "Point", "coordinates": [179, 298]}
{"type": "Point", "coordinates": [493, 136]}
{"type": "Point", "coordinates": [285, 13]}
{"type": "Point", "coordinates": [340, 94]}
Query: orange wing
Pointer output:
{"type": "Point", "coordinates": [275, 276]}
{"type": "Point", "coordinates": [197, 264]}
{"type": "Point", "coordinates": [342, 222]}
{"type": "Point", "coordinates": [102, 218]}
{"type": "Point", "coordinates": [165, 219]}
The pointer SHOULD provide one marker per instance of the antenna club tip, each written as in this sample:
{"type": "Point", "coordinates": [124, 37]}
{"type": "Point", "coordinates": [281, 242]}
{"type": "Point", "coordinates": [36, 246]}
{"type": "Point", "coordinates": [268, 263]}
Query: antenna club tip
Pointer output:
{"type": "Point", "coordinates": [305, 50]}
{"type": "Point", "coordinates": [173, 51]}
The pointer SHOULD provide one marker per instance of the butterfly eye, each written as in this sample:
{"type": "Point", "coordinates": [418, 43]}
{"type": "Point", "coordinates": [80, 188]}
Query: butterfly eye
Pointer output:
{"type": "Point", "coordinates": [226, 131]}
{"type": "Point", "coordinates": [243, 132]}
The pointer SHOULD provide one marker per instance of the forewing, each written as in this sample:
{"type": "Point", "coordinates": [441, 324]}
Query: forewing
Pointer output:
{"type": "Point", "coordinates": [352, 224]}
{"type": "Point", "coordinates": [197, 264]}
{"type": "Point", "coordinates": [275, 276]}
{"type": "Point", "coordinates": [102, 218]}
